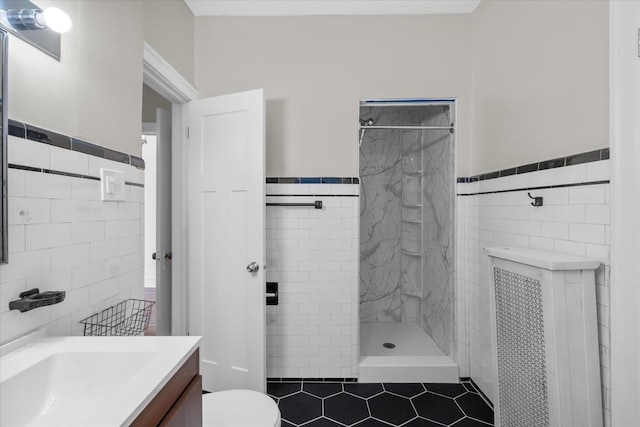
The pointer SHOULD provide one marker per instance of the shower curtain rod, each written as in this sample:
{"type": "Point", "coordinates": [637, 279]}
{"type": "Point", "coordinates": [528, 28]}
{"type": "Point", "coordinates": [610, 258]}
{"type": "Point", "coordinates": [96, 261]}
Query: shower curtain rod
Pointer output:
{"type": "Point", "coordinates": [409, 127]}
{"type": "Point", "coordinates": [405, 102]}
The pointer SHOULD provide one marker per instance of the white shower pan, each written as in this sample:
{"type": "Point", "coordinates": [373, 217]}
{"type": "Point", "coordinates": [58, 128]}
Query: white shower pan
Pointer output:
{"type": "Point", "coordinates": [415, 357]}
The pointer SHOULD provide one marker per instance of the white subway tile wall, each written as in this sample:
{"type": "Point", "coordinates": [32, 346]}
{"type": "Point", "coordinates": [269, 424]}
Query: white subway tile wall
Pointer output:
{"type": "Point", "coordinates": [62, 237]}
{"type": "Point", "coordinates": [573, 220]}
{"type": "Point", "coordinates": [313, 255]}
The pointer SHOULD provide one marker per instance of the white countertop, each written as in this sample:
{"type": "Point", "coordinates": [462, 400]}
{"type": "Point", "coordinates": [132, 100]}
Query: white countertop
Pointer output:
{"type": "Point", "coordinates": [543, 259]}
{"type": "Point", "coordinates": [102, 381]}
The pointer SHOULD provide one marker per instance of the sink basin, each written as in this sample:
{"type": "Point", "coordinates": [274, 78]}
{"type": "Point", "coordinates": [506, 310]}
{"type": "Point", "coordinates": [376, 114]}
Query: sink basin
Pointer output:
{"type": "Point", "coordinates": [81, 381]}
{"type": "Point", "coordinates": [58, 388]}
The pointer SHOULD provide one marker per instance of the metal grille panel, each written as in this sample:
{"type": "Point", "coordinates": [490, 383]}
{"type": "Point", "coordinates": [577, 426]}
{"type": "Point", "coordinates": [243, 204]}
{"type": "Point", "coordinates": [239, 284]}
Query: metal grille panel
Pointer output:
{"type": "Point", "coordinates": [522, 381]}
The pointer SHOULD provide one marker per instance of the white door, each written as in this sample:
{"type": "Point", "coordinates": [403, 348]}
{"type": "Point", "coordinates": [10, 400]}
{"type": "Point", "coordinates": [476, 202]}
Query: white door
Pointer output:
{"type": "Point", "coordinates": [163, 222]}
{"type": "Point", "coordinates": [226, 210]}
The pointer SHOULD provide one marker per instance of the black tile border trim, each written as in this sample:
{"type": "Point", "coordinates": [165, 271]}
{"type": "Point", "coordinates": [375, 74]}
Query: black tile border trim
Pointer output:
{"type": "Point", "coordinates": [69, 174]}
{"type": "Point", "coordinates": [312, 195]}
{"type": "Point", "coordinates": [47, 137]}
{"type": "Point", "coordinates": [544, 187]}
{"type": "Point", "coordinates": [480, 392]}
{"type": "Point", "coordinates": [311, 380]}
{"type": "Point", "coordinates": [312, 180]}
{"type": "Point", "coordinates": [17, 129]}
{"type": "Point", "coordinates": [574, 159]}
{"type": "Point", "coordinates": [33, 133]}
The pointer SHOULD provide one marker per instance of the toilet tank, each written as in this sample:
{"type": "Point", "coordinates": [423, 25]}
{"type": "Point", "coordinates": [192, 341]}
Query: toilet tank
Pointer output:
{"type": "Point", "coordinates": [545, 339]}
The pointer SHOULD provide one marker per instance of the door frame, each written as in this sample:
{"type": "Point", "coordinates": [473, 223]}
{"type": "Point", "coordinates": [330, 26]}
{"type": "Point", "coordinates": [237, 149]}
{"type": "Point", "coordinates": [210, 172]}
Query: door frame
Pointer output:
{"type": "Point", "coordinates": [162, 77]}
{"type": "Point", "coordinates": [624, 111]}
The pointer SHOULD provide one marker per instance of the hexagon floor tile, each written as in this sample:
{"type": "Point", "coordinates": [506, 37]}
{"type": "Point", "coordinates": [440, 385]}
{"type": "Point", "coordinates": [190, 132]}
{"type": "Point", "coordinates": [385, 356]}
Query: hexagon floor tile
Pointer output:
{"type": "Point", "coordinates": [282, 389]}
{"type": "Point", "coordinates": [300, 408]}
{"type": "Point", "coordinates": [404, 389]}
{"type": "Point", "coordinates": [322, 389]}
{"type": "Point", "coordinates": [329, 404]}
{"type": "Point", "coordinates": [393, 409]}
{"type": "Point", "coordinates": [346, 408]}
{"type": "Point", "coordinates": [437, 408]}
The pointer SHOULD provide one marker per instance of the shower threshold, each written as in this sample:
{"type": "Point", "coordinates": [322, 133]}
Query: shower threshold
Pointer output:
{"type": "Point", "coordinates": [409, 356]}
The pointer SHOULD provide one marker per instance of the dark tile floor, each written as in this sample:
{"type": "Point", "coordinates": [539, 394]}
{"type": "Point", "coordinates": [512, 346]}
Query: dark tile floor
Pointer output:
{"type": "Point", "coordinates": [316, 404]}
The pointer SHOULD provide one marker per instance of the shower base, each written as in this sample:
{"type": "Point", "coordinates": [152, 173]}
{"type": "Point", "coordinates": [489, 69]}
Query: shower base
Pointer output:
{"type": "Point", "coordinates": [415, 357]}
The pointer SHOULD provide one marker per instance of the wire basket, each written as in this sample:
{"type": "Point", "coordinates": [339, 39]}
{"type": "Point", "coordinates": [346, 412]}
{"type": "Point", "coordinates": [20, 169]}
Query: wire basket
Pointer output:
{"type": "Point", "coordinates": [130, 317]}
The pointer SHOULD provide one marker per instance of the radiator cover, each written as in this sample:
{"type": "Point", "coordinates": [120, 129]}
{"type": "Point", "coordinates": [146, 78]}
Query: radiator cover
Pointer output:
{"type": "Point", "coordinates": [544, 339]}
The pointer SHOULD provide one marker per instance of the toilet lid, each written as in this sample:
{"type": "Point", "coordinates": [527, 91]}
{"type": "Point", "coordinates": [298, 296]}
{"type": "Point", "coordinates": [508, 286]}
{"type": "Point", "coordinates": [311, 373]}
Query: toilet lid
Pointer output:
{"type": "Point", "coordinates": [244, 408]}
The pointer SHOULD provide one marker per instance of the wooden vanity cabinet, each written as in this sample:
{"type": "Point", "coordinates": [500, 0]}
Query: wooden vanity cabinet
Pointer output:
{"type": "Point", "coordinates": [179, 403]}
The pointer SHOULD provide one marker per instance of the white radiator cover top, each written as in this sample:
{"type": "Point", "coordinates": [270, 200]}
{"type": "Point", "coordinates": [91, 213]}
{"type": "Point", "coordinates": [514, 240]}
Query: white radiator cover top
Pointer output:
{"type": "Point", "coordinates": [548, 260]}
{"type": "Point", "coordinates": [545, 339]}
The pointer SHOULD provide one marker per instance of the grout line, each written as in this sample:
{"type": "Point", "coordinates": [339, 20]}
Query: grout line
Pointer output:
{"type": "Point", "coordinates": [481, 393]}
{"type": "Point", "coordinates": [480, 421]}
{"type": "Point", "coordinates": [546, 187]}
{"type": "Point", "coordinates": [61, 173]}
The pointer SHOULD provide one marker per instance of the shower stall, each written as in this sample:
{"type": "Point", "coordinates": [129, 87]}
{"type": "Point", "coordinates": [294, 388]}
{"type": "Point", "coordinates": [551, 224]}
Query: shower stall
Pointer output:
{"type": "Point", "coordinates": [407, 173]}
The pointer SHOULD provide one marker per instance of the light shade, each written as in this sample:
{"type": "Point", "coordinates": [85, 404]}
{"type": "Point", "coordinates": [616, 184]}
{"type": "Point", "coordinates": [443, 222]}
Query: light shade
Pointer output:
{"type": "Point", "coordinates": [57, 20]}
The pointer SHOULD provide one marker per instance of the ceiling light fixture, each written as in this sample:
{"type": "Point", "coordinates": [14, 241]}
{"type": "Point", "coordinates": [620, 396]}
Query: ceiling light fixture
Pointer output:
{"type": "Point", "coordinates": [36, 19]}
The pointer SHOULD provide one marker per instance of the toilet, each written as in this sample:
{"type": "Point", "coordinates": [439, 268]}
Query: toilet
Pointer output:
{"type": "Point", "coordinates": [236, 408]}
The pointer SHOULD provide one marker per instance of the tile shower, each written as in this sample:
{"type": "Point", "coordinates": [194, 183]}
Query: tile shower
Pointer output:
{"type": "Point", "coordinates": [407, 232]}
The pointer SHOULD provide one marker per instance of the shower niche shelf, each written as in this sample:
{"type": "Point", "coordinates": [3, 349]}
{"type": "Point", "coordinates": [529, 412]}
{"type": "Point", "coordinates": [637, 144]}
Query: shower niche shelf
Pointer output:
{"type": "Point", "coordinates": [412, 221]}
{"type": "Point", "coordinates": [416, 174]}
{"type": "Point", "coordinates": [411, 253]}
{"type": "Point", "coordinates": [412, 205]}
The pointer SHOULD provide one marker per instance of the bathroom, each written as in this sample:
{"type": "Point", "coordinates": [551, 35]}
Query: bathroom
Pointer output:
{"type": "Point", "coordinates": [531, 83]}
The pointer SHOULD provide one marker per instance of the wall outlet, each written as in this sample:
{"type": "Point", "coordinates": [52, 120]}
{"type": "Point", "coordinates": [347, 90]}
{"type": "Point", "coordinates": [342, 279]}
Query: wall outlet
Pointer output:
{"type": "Point", "coordinates": [111, 185]}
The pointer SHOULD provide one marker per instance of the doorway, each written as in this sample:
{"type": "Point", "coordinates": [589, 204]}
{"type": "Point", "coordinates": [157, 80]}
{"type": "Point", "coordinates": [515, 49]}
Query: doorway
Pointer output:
{"type": "Point", "coordinates": [156, 152]}
{"type": "Point", "coordinates": [149, 144]}
{"type": "Point", "coordinates": [166, 81]}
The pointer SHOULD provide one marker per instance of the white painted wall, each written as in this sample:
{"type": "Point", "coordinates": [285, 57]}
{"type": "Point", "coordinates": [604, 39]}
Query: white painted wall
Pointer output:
{"type": "Point", "coordinates": [531, 79]}
{"type": "Point", "coordinates": [150, 101]}
{"type": "Point", "coordinates": [540, 81]}
{"type": "Point", "coordinates": [95, 91]}
{"type": "Point", "coordinates": [89, 94]}
{"type": "Point", "coordinates": [168, 28]}
{"type": "Point", "coordinates": [315, 70]}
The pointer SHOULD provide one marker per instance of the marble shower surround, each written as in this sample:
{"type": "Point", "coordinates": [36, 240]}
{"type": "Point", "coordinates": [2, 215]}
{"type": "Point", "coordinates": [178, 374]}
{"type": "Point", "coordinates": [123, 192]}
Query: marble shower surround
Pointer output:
{"type": "Point", "coordinates": [438, 302]}
{"type": "Point", "coordinates": [406, 221]}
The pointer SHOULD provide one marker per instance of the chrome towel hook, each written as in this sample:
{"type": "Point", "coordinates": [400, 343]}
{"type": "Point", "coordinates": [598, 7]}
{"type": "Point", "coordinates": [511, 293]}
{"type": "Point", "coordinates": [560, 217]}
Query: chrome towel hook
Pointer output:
{"type": "Point", "coordinates": [537, 201]}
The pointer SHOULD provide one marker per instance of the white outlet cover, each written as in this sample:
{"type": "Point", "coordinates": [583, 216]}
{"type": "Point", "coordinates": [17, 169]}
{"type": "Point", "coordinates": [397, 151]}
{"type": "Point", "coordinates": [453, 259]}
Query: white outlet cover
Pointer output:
{"type": "Point", "coordinates": [111, 185]}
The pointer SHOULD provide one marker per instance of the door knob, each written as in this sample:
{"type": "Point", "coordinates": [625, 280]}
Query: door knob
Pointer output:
{"type": "Point", "coordinates": [153, 256]}
{"type": "Point", "coordinates": [253, 267]}
{"type": "Point", "coordinates": [168, 255]}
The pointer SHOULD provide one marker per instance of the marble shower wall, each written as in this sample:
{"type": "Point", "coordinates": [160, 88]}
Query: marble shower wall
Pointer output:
{"type": "Point", "coordinates": [438, 198]}
{"type": "Point", "coordinates": [406, 200]}
{"type": "Point", "coordinates": [380, 226]}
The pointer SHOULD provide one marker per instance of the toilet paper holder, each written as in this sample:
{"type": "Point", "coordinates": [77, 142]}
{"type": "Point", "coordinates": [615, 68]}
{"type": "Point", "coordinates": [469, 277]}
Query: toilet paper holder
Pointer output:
{"type": "Point", "coordinates": [272, 293]}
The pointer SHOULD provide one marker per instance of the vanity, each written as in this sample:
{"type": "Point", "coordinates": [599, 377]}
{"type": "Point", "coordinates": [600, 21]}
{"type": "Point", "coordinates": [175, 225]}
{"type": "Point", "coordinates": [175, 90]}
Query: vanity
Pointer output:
{"type": "Point", "coordinates": [100, 381]}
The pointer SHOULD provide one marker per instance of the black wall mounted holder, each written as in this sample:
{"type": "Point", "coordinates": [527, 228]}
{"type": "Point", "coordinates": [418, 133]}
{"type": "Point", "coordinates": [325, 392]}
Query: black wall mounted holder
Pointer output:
{"type": "Point", "coordinates": [272, 293]}
{"type": "Point", "coordinates": [317, 204]}
{"type": "Point", "coordinates": [33, 298]}
{"type": "Point", "coordinates": [537, 201]}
